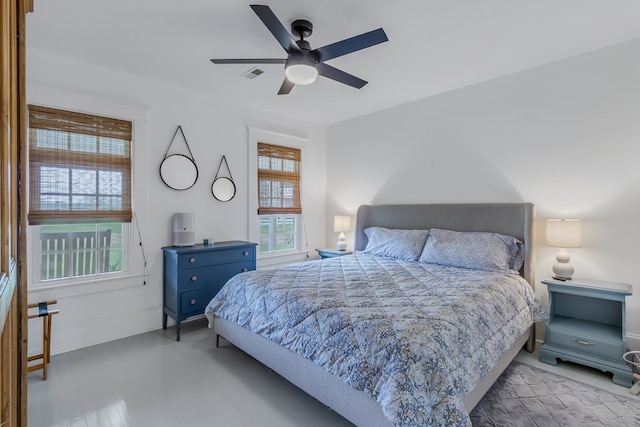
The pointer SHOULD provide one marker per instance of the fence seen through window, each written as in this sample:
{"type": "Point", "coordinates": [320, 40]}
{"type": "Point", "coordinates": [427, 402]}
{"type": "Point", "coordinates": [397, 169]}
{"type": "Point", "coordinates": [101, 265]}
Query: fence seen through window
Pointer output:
{"type": "Point", "coordinates": [277, 233]}
{"type": "Point", "coordinates": [75, 250]}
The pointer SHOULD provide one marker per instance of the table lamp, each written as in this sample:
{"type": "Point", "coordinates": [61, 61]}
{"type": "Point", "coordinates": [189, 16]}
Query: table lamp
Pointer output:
{"type": "Point", "coordinates": [341, 223]}
{"type": "Point", "coordinates": [563, 234]}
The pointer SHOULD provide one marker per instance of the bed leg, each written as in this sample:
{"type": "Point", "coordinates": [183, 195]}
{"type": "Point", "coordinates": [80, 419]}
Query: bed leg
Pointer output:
{"type": "Point", "coordinates": [635, 389]}
{"type": "Point", "coordinates": [217, 340]}
{"type": "Point", "coordinates": [531, 342]}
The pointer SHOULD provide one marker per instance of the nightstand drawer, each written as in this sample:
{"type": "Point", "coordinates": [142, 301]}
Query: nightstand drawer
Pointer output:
{"type": "Point", "coordinates": [208, 276]}
{"type": "Point", "coordinates": [194, 302]}
{"type": "Point", "coordinates": [195, 260]}
{"type": "Point", "coordinates": [610, 349]}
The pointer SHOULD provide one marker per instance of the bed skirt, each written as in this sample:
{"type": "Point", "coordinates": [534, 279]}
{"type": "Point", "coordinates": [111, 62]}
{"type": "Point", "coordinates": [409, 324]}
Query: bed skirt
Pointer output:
{"type": "Point", "coordinates": [352, 404]}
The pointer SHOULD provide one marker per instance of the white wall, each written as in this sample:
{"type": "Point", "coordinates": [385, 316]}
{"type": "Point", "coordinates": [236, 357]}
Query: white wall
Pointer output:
{"type": "Point", "coordinates": [565, 136]}
{"type": "Point", "coordinates": [212, 130]}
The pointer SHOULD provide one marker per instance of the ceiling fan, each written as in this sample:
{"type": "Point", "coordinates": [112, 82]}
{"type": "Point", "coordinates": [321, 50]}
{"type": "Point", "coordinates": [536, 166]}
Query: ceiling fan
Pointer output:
{"type": "Point", "coordinates": [302, 64]}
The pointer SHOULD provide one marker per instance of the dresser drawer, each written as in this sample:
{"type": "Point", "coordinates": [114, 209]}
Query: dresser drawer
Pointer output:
{"type": "Point", "coordinates": [194, 302]}
{"type": "Point", "coordinates": [214, 275]}
{"type": "Point", "coordinates": [193, 275]}
{"type": "Point", "coordinates": [608, 348]}
{"type": "Point", "coordinates": [200, 259]}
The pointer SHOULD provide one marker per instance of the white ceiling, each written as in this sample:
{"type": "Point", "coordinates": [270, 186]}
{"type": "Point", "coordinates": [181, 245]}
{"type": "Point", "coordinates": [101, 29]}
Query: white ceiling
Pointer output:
{"type": "Point", "coordinates": [434, 45]}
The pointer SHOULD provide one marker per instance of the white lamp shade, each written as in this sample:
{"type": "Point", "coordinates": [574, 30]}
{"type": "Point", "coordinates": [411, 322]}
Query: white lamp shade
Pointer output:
{"type": "Point", "coordinates": [564, 233]}
{"type": "Point", "coordinates": [341, 223]}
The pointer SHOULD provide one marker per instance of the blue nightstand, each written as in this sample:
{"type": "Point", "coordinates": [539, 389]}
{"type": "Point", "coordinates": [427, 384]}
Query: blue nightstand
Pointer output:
{"type": "Point", "coordinates": [332, 252]}
{"type": "Point", "coordinates": [587, 326]}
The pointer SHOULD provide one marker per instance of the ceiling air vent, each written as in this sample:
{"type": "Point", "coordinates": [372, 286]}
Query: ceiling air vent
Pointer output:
{"type": "Point", "coordinates": [253, 73]}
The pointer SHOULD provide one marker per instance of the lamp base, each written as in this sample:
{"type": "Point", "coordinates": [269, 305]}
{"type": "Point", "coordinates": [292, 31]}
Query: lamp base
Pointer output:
{"type": "Point", "coordinates": [342, 242]}
{"type": "Point", "coordinates": [562, 270]}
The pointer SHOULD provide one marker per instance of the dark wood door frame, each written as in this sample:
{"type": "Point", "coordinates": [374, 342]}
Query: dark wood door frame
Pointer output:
{"type": "Point", "coordinates": [13, 278]}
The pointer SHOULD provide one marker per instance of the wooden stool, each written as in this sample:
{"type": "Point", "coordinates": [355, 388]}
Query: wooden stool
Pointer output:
{"type": "Point", "coordinates": [45, 313]}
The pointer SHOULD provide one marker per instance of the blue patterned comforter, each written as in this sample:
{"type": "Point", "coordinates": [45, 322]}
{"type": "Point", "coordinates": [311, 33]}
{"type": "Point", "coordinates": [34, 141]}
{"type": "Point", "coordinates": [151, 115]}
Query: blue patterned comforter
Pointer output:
{"type": "Point", "coordinates": [414, 336]}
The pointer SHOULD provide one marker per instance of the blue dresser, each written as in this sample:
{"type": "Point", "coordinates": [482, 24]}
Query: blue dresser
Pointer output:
{"type": "Point", "coordinates": [587, 326]}
{"type": "Point", "coordinates": [193, 275]}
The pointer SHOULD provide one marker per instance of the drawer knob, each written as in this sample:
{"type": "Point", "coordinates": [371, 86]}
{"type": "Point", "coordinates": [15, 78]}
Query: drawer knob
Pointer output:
{"type": "Point", "coordinates": [583, 342]}
{"type": "Point", "coordinates": [192, 260]}
{"type": "Point", "coordinates": [244, 270]}
{"type": "Point", "coordinates": [193, 302]}
{"type": "Point", "coordinates": [245, 253]}
{"type": "Point", "coordinates": [194, 278]}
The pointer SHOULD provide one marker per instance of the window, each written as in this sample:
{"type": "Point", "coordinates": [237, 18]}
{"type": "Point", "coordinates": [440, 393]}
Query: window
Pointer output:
{"type": "Point", "coordinates": [276, 180]}
{"type": "Point", "coordinates": [79, 192]}
{"type": "Point", "coordinates": [278, 196]}
{"type": "Point", "coordinates": [277, 233]}
{"type": "Point", "coordinates": [75, 250]}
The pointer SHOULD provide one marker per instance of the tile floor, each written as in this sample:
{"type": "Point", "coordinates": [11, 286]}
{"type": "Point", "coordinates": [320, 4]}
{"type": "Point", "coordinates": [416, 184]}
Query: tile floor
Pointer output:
{"type": "Point", "coordinates": [152, 380]}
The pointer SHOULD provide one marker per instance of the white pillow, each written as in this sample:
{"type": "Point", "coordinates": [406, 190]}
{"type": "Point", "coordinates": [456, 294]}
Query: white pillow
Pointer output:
{"type": "Point", "coordinates": [395, 243]}
{"type": "Point", "coordinates": [476, 250]}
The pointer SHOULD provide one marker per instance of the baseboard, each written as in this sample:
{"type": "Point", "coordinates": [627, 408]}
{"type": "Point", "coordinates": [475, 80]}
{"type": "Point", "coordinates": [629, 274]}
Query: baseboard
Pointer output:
{"type": "Point", "coordinates": [633, 342]}
{"type": "Point", "coordinates": [72, 335]}
{"type": "Point", "coordinates": [94, 331]}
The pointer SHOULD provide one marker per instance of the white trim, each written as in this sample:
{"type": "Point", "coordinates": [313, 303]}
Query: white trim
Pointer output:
{"type": "Point", "coordinates": [281, 259]}
{"type": "Point", "coordinates": [102, 328]}
{"type": "Point", "coordinates": [72, 100]}
{"type": "Point", "coordinates": [65, 289]}
{"type": "Point", "coordinates": [259, 135]}
{"type": "Point", "coordinates": [633, 342]}
{"type": "Point", "coordinates": [54, 97]}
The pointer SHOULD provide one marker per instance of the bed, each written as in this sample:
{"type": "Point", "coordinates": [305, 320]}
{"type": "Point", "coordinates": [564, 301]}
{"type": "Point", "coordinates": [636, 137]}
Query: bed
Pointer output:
{"type": "Point", "coordinates": [405, 331]}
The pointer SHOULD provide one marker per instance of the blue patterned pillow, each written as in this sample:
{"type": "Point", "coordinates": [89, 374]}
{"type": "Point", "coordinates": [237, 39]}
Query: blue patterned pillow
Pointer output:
{"type": "Point", "coordinates": [475, 250]}
{"type": "Point", "coordinates": [395, 243]}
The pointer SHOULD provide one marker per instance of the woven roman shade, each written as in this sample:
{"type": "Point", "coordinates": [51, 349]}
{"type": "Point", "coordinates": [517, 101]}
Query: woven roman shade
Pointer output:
{"type": "Point", "coordinates": [278, 179]}
{"type": "Point", "coordinates": [79, 167]}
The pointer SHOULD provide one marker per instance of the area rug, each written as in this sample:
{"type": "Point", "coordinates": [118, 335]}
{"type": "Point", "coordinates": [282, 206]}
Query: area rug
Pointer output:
{"type": "Point", "coordinates": [528, 396]}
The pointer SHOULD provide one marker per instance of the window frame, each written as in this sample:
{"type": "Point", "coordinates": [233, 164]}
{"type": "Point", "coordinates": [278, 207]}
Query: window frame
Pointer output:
{"type": "Point", "coordinates": [135, 235]}
{"type": "Point", "coordinates": [284, 256]}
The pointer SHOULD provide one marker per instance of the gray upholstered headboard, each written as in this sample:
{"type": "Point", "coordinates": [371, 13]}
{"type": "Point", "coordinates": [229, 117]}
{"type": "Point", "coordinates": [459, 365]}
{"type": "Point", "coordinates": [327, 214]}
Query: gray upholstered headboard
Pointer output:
{"type": "Point", "coordinates": [514, 219]}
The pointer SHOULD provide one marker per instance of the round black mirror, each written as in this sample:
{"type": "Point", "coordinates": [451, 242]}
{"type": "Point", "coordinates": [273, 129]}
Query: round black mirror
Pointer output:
{"type": "Point", "coordinates": [178, 172]}
{"type": "Point", "coordinates": [223, 189]}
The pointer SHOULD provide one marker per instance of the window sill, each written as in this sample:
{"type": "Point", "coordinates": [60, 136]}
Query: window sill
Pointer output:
{"type": "Point", "coordinates": [273, 260]}
{"type": "Point", "coordinates": [66, 289]}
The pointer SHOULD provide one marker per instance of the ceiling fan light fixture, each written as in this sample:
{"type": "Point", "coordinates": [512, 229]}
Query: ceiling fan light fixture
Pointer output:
{"type": "Point", "coordinates": [301, 70]}
{"type": "Point", "coordinates": [301, 74]}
